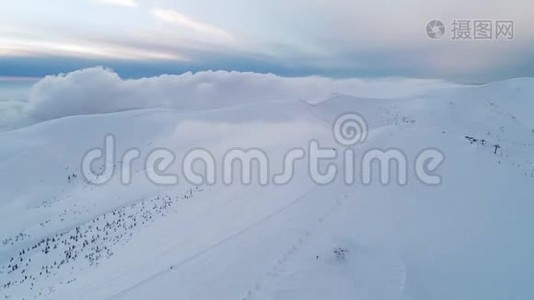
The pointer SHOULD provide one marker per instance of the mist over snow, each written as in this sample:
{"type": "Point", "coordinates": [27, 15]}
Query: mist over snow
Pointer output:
{"type": "Point", "coordinates": [99, 90]}
{"type": "Point", "coordinates": [466, 237]}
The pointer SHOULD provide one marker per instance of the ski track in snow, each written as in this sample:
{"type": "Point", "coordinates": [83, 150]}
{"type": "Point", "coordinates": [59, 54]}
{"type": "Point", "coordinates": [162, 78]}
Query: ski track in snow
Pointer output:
{"type": "Point", "coordinates": [219, 243]}
{"type": "Point", "coordinates": [287, 255]}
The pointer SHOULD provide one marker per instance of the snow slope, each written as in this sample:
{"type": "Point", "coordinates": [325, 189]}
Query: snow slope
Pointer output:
{"type": "Point", "coordinates": [468, 238]}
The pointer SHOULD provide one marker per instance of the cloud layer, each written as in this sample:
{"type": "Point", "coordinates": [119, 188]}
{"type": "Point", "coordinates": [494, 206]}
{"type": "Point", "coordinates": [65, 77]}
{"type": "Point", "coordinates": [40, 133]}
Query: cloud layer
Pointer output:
{"type": "Point", "coordinates": [99, 90]}
{"type": "Point", "coordinates": [331, 38]}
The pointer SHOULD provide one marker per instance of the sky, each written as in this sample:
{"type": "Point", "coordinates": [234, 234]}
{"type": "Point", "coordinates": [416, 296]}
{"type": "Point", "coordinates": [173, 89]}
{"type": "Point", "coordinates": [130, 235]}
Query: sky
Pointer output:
{"type": "Point", "coordinates": [332, 38]}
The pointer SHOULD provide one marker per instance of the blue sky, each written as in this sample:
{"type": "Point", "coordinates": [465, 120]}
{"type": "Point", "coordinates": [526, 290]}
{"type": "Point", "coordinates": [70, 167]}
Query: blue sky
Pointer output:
{"type": "Point", "coordinates": [336, 38]}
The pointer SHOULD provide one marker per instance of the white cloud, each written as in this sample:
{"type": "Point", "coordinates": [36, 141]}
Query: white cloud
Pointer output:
{"type": "Point", "coordinates": [13, 114]}
{"type": "Point", "coordinates": [99, 90]}
{"type": "Point", "coordinates": [180, 19]}
{"type": "Point", "coordinates": [71, 47]}
{"type": "Point", "coordinates": [127, 3]}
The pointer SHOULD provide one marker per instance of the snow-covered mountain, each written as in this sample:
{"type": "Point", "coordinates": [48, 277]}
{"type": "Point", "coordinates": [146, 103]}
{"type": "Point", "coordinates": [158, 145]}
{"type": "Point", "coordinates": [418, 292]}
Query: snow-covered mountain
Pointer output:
{"type": "Point", "coordinates": [468, 238]}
